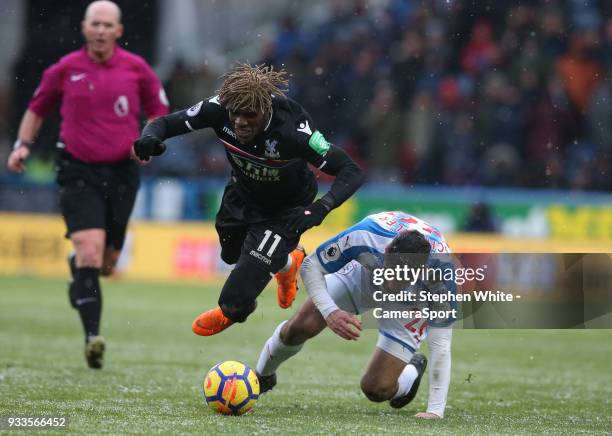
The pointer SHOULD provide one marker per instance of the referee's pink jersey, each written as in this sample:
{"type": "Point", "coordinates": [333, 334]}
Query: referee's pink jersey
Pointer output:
{"type": "Point", "coordinates": [101, 103]}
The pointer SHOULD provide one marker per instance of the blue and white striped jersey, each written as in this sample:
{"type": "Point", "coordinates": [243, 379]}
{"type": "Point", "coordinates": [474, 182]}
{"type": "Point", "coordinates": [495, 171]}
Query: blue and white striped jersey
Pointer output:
{"type": "Point", "coordinates": [372, 235]}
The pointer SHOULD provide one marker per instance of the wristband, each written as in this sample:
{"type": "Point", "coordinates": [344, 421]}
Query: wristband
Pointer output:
{"type": "Point", "coordinates": [19, 143]}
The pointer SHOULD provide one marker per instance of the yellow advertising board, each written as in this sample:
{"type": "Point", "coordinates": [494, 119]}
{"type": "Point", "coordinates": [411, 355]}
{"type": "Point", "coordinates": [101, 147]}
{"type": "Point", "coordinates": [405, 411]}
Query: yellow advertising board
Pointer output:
{"type": "Point", "coordinates": [35, 244]}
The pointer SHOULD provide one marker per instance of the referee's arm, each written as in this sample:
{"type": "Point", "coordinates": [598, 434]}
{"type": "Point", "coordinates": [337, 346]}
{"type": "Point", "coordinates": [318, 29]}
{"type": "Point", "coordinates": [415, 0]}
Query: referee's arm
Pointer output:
{"type": "Point", "coordinates": [28, 130]}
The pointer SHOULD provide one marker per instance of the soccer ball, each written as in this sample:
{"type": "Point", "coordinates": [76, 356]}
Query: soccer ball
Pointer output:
{"type": "Point", "coordinates": [231, 388]}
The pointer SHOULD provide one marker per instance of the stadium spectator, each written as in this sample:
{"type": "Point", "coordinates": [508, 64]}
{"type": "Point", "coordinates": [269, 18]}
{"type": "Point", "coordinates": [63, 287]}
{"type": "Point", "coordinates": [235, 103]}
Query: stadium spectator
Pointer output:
{"type": "Point", "coordinates": [101, 89]}
{"type": "Point", "coordinates": [579, 70]}
{"type": "Point", "coordinates": [480, 219]}
{"type": "Point", "coordinates": [504, 78]}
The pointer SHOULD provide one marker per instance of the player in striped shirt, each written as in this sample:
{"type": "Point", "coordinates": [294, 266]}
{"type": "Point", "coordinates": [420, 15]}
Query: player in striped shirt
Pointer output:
{"type": "Point", "coordinates": [334, 279]}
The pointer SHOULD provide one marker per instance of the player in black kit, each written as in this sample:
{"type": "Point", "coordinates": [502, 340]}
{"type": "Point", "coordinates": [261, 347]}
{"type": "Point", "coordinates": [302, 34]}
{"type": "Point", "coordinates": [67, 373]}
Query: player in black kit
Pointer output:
{"type": "Point", "coordinates": [269, 201]}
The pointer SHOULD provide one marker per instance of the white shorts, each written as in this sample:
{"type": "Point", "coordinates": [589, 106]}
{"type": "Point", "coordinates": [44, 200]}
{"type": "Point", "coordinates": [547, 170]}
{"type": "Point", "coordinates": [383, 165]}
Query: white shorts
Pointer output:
{"type": "Point", "coordinates": [395, 336]}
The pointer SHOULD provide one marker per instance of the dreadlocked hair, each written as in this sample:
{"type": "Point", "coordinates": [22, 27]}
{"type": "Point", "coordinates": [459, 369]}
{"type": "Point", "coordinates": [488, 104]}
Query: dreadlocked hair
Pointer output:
{"type": "Point", "coordinates": [250, 88]}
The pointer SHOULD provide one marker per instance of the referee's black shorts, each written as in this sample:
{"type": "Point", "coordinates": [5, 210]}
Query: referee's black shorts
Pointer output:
{"type": "Point", "coordinates": [97, 196]}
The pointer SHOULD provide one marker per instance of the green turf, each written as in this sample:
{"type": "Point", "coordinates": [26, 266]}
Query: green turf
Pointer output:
{"type": "Point", "coordinates": [520, 382]}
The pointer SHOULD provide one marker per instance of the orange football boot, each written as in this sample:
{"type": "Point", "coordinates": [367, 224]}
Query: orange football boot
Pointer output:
{"type": "Point", "coordinates": [211, 322]}
{"type": "Point", "coordinates": [287, 281]}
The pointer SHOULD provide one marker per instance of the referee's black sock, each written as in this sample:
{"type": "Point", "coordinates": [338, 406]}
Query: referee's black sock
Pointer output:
{"type": "Point", "coordinates": [86, 297]}
{"type": "Point", "coordinates": [72, 265]}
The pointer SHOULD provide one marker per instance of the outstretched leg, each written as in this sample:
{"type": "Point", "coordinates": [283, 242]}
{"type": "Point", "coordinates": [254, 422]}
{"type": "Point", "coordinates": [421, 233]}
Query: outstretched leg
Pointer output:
{"type": "Point", "coordinates": [286, 341]}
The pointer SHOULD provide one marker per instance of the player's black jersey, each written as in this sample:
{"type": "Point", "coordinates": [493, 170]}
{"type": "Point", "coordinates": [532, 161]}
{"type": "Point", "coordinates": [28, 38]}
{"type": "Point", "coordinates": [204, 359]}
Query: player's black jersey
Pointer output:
{"type": "Point", "coordinates": [271, 172]}
{"type": "Point", "coordinates": [272, 169]}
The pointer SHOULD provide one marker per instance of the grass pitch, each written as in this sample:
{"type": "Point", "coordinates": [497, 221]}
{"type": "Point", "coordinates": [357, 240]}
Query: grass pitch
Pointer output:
{"type": "Point", "coordinates": [503, 382]}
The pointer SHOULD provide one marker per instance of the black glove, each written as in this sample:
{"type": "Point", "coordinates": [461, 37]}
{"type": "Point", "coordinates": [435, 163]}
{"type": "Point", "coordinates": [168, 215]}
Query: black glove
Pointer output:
{"type": "Point", "coordinates": [148, 146]}
{"type": "Point", "coordinates": [304, 218]}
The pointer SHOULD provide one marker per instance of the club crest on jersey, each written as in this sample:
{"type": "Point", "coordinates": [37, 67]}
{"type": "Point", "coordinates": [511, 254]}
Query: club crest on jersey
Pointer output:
{"type": "Point", "coordinates": [331, 252]}
{"type": "Point", "coordinates": [271, 152]}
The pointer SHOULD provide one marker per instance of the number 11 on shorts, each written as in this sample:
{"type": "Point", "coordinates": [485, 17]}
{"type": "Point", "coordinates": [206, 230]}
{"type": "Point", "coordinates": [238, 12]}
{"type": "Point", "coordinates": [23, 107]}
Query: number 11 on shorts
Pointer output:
{"type": "Point", "coordinates": [267, 235]}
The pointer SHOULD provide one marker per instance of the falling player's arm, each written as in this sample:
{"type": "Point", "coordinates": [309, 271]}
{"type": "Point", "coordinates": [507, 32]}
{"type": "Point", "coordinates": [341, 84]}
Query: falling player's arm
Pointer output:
{"type": "Point", "coordinates": [206, 113]}
{"type": "Point", "coordinates": [330, 257]}
{"type": "Point", "coordinates": [313, 276]}
{"type": "Point", "coordinates": [344, 324]}
{"type": "Point", "coordinates": [439, 342]}
{"type": "Point", "coordinates": [348, 177]}
{"type": "Point", "coordinates": [332, 160]}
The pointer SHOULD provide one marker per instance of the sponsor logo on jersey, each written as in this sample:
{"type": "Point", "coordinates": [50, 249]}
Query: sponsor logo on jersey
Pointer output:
{"type": "Point", "coordinates": [229, 132]}
{"type": "Point", "coordinates": [304, 128]}
{"type": "Point", "coordinates": [318, 143]}
{"type": "Point", "coordinates": [261, 257]}
{"type": "Point", "coordinates": [77, 77]}
{"type": "Point", "coordinates": [195, 109]}
{"type": "Point", "coordinates": [122, 106]}
{"type": "Point", "coordinates": [271, 152]}
{"type": "Point", "coordinates": [257, 172]}
{"type": "Point", "coordinates": [331, 252]}
{"type": "Point", "coordinates": [345, 242]}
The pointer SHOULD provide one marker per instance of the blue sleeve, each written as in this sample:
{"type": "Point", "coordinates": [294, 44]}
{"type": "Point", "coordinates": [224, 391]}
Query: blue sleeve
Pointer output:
{"type": "Point", "coordinates": [364, 237]}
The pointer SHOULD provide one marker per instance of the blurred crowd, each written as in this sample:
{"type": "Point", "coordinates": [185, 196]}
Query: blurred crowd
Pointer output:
{"type": "Point", "coordinates": [448, 92]}
{"type": "Point", "coordinates": [496, 93]}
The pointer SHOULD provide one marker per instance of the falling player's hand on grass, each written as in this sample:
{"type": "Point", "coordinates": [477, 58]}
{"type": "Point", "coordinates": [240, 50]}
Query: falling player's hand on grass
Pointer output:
{"type": "Point", "coordinates": [427, 415]}
{"type": "Point", "coordinates": [344, 324]}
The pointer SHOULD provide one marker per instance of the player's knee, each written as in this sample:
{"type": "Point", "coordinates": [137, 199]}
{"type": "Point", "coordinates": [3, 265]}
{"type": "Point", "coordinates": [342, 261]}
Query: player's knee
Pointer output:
{"type": "Point", "coordinates": [238, 312]}
{"type": "Point", "coordinates": [375, 390]}
{"type": "Point", "coordinates": [89, 253]}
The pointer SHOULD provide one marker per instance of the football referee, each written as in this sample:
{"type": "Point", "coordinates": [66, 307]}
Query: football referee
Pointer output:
{"type": "Point", "coordinates": [101, 89]}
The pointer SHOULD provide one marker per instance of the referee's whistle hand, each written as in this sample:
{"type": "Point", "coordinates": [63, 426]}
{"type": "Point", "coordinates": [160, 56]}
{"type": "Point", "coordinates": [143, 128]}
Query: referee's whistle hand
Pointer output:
{"type": "Point", "coordinates": [16, 160]}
